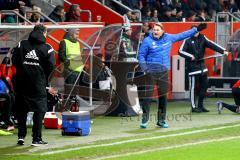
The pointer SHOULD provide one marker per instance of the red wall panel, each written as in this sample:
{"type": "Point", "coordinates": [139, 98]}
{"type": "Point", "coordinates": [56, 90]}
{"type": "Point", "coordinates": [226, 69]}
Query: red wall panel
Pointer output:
{"type": "Point", "coordinates": [209, 33]}
{"type": "Point", "coordinates": [108, 16]}
{"type": "Point", "coordinates": [236, 26]}
{"type": "Point", "coordinates": [169, 28]}
{"type": "Point", "coordinates": [84, 35]}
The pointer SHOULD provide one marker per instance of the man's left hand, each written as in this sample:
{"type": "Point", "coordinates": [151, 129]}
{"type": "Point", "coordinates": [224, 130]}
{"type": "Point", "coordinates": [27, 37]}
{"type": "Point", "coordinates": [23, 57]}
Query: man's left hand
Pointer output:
{"type": "Point", "coordinates": [52, 91]}
{"type": "Point", "coordinates": [226, 53]}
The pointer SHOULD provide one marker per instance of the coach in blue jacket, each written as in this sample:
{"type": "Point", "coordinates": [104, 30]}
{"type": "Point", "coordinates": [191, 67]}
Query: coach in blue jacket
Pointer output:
{"type": "Point", "coordinates": [154, 60]}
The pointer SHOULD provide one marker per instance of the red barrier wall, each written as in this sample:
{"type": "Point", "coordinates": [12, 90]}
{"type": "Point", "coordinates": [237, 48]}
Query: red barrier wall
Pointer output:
{"type": "Point", "coordinates": [96, 8]}
{"type": "Point", "coordinates": [84, 35]}
{"type": "Point", "coordinates": [172, 28]}
{"type": "Point", "coordinates": [236, 26]}
{"type": "Point", "coordinates": [209, 33]}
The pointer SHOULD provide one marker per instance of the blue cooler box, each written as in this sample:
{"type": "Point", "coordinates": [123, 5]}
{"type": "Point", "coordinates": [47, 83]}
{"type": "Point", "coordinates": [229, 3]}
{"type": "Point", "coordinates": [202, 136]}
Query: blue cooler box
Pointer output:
{"type": "Point", "coordinates": [76, 123]}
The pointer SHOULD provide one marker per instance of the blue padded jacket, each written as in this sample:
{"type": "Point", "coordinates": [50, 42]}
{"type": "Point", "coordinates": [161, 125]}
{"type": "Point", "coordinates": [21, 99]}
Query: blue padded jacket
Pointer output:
{"type": "Point", "coordinates": [3, 87]}
{"type": "Point", "coordinates": [154, 53]}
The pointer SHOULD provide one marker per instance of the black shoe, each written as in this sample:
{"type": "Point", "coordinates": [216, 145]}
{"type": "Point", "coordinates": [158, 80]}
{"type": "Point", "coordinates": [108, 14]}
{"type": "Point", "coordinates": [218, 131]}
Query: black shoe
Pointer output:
{"type": "Point", "coordinates": [196, 110]}
{"type": "Point", "coordinates": [204, 109]}
{"type": "Point", "coordinates": [38, 143]}
{"type": "Point", "coordinates": [20, 141]}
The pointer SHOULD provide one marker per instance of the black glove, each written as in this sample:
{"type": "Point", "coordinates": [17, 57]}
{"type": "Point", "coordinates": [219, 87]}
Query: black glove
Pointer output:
{"type": "Point", "coordinates": [67, 63]}
{"type": "Point", "coordinates": [201, 27]}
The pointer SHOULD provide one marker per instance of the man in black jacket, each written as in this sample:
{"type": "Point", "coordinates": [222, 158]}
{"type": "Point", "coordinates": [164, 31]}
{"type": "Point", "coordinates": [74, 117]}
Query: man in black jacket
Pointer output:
{"type": "Point", "coordinates": [34, 61]}
{"type": "Point", "coordinates": [57, 14]}
{"type": "Point", "coordinates": [193, 50]}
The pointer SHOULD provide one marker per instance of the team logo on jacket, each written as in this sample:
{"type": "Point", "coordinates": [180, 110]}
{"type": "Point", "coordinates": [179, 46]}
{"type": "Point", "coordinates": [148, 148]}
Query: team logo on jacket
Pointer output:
{"type": "Point", "coordinates": [154, 45]}
{"type": "Point", "coordinates": [32, 55]}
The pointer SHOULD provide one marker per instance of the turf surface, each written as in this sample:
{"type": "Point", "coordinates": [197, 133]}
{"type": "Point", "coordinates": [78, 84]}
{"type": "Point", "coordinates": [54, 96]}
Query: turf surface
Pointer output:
{"type": "Point", "coordinates": [119, 136]}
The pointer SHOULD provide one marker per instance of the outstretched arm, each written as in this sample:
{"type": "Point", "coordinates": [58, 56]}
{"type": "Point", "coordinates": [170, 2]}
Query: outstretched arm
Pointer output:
{"type": "Point", "coordinates": [214, 46]}
{"type": "Point", "coordinates": [183, 35]}
{"type": "Point", "coordinates": [188, 33]}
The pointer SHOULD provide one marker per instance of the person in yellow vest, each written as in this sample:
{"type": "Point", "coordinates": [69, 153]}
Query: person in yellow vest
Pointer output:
{"type": "Point", "coordinates": [70, 55]}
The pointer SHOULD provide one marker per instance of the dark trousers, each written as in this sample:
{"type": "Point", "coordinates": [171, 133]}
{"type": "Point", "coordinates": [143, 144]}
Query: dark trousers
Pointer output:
{"type": "Point", "coordinates": [145, 93]}
{"type": "Point", "coordinates": [236, 96]}
{"type": "Point", "coordinates": [23, 106]}
{"type": "Point", "coordinates": [72, 77]}
{"type": "Point", "coordinates": [37, 125]}
{"type": "Point", "coordinates": [233, 108]}
{"type": "Point", "coordinates": [198, 87]}
{"type": "Point", "coordinates": [7, 108]}
{"type": "Point", "coordinates": [83, 79]}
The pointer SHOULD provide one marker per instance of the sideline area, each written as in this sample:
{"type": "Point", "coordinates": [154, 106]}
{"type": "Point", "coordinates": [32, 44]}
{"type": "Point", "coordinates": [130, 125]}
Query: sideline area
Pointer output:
{"type": "Point", "coordinates": [120, 131]}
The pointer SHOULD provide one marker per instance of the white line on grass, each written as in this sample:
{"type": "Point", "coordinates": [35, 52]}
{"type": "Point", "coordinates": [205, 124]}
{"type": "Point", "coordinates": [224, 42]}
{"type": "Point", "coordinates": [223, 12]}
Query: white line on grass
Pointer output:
{"type": "Point", "coordinates": [139, 139]}
{"type": "Point", "coordinates": [167, 148]}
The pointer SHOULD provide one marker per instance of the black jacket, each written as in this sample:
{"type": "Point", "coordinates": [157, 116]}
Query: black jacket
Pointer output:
{"type": "Point", "coordinates": [34, 61]}
{"type": "Point", "coordinates": [13, 4]}
{"type": "Point", "coordinates": [54, 16]}
{"type": "Point", "coordinates": [195, 46]}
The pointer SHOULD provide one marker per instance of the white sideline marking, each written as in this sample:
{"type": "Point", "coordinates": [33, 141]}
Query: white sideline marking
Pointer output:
{"type": "Point", "coordinates": [168, 148]}
{"type": "Point", "coordinates": [139, 139]}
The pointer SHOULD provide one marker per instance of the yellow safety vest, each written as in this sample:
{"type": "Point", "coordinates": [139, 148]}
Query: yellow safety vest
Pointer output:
{"type": "Point", "coordinates": [73, 53]}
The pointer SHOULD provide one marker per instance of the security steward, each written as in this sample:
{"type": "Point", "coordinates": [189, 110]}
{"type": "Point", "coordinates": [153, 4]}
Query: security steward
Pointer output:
{"type": "Point", "coordinates": [70, 55]}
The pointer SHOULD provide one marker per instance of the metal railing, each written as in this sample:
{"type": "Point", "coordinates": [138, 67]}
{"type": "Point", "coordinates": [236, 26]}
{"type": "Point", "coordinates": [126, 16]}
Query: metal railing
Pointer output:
{"type": "Point", "coordinates": [229, 17]}
{"type": "Point", "coordinates": [29, 22]}
{"type": "Point", "coordinates": [42, 14]}
{"type": "Point", "coordinates": [224, 30]}
{"type": "Point", "coordinates": [89, 14]}
{"type": "Point", "coordinates": [50, 2]}
{"type": "Point", "coordinates": [8, 14]}
{"type": "Point", "coordinates": [82, 11]}
{"type": "Point", "coordinates": [236, 14]}
{"type": "Point", "coordinates": [66, 1]}
{"type": "Point", "coordinates": [126, 7]}
{"type": "Point", "coordinates": [13, 12]}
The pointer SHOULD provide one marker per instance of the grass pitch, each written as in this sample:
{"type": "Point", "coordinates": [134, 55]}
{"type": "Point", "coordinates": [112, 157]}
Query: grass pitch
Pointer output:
{"type": "Point", "coordinates": [190, 136]}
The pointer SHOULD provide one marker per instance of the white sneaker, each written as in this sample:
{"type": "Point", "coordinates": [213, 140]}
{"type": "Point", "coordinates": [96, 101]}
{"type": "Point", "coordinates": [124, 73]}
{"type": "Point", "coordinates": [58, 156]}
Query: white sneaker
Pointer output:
{"type": "Point", "coordinates": [219, 107]}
